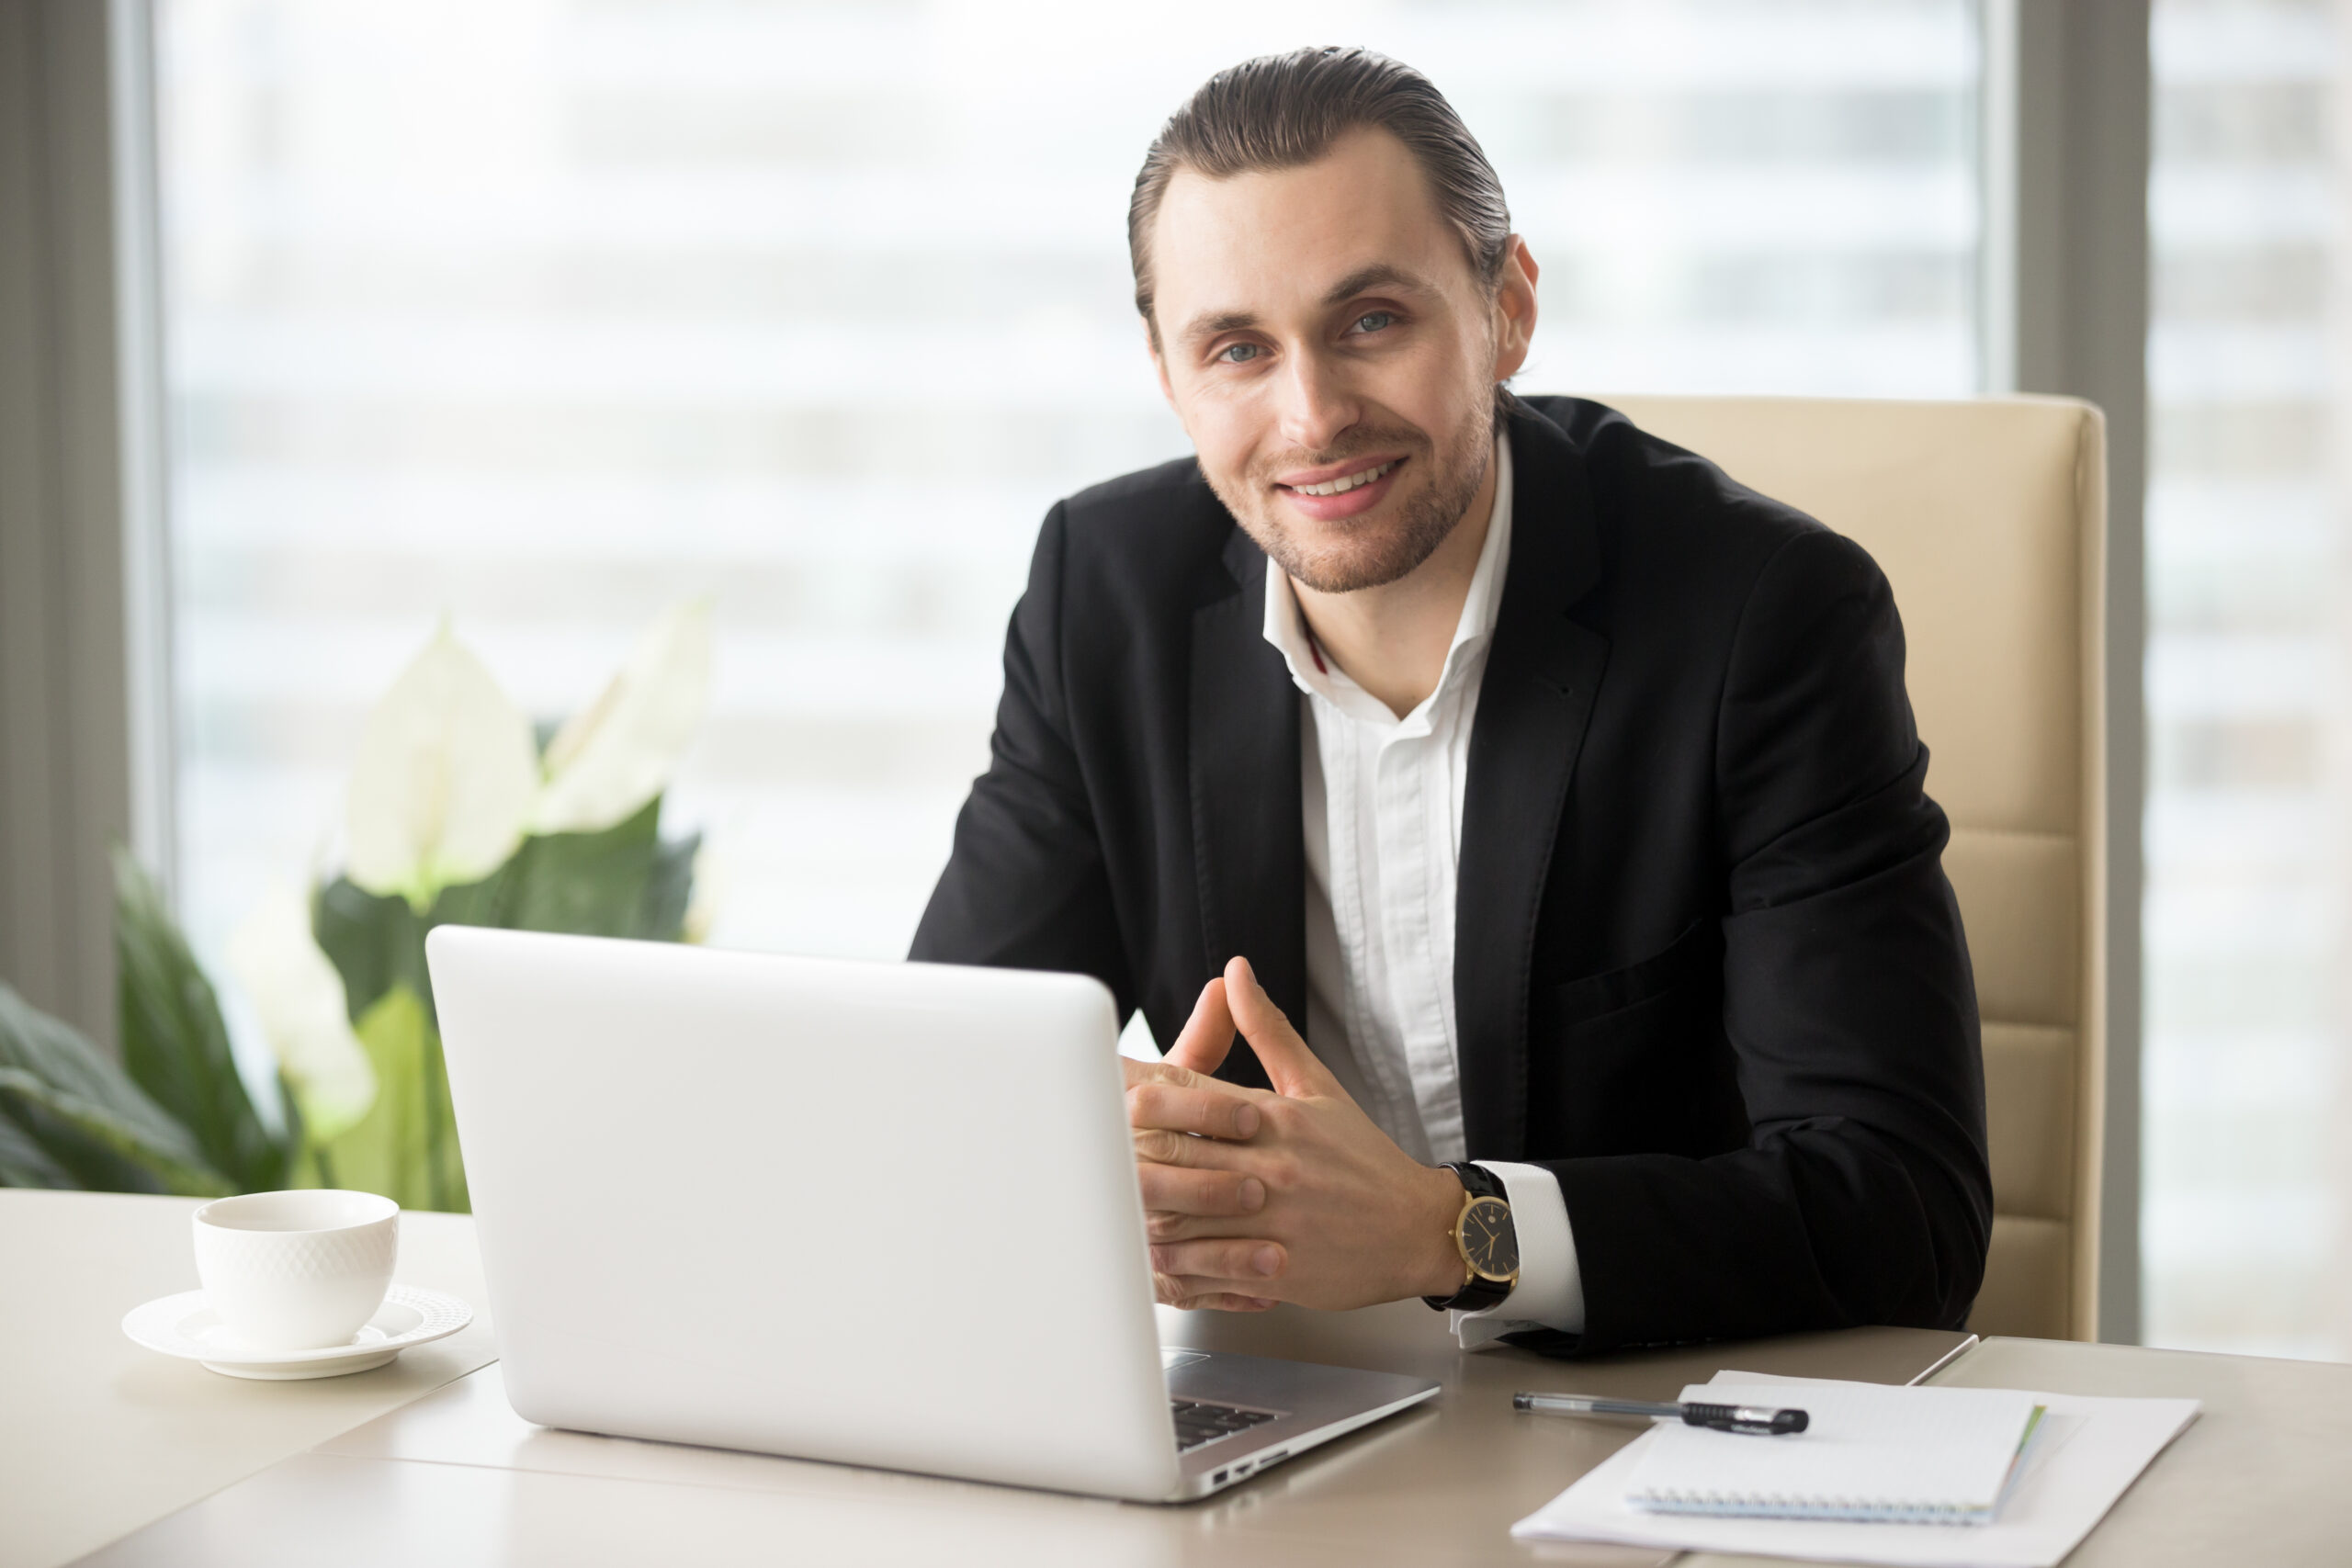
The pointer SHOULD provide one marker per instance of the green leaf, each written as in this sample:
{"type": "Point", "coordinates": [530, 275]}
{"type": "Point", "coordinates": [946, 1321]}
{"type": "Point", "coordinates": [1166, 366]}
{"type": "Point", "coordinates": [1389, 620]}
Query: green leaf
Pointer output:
{"type": "Point", "coordinates": [23, 1162]}
{"type": "Point", "coordinates": [669, 888]}
{"type": "Point", "coordinates": [90, 1125]}
{"type": "Point", "coordinates": [297, 1136]}
{"type": "Point", "coordinates": [587, 884]}
{"type": "Point", "coordinates": [174, 1046]}
{"type": "Point", "coordinates": [384, 1152]}
{"type": "Point", "coordinates": [374, 942]}
{"type": "Point", "coordinates": [406, 1147]}
{"type": "Point", "coordinates": [625, 882]}
{"type": "Point", "coordinates": [489, 902]}
{"type": "Point", "coordinates": [445, 1168]}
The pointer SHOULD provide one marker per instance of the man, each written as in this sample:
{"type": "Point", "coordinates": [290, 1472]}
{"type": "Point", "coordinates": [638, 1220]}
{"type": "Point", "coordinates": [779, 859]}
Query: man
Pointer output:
{"type": "Point", "coordinates": [1567, 791]}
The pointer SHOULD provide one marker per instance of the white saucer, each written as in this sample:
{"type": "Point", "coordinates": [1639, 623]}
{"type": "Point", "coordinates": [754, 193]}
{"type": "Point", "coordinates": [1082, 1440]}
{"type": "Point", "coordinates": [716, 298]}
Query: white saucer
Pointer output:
{"type": "Point", "coordinates": [184, 1325]}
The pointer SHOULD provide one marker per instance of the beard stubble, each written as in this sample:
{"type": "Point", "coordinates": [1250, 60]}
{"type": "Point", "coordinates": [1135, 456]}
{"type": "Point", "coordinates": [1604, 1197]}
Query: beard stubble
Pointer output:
{"type": "Point", "coordinates": [1373, 552]}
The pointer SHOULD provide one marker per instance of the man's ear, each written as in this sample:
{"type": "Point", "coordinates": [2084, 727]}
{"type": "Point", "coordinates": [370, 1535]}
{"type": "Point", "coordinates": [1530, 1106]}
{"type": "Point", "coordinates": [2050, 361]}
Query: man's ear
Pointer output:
{"type": "Point", "coordinates": [1514, 309]}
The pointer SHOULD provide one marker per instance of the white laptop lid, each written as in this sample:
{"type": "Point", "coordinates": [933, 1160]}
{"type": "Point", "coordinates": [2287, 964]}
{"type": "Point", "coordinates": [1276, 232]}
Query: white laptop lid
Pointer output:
{"type": "Point", "coordinates": [851, 1212]}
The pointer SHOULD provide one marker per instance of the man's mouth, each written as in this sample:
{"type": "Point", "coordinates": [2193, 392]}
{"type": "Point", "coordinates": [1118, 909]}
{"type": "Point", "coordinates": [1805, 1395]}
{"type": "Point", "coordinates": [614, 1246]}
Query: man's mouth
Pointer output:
{"type": "Point", "coordinates": [1347, 482]}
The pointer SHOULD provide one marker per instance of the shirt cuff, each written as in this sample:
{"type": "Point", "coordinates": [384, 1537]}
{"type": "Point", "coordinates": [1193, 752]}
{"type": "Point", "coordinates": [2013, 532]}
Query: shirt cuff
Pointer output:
{"type": "Point", "coordinates": [1550, 1291]}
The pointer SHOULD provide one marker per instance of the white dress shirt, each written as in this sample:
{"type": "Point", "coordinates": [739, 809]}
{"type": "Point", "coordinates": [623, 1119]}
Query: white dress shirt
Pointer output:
{"type": "Point", "coordinates": [1382, 808]}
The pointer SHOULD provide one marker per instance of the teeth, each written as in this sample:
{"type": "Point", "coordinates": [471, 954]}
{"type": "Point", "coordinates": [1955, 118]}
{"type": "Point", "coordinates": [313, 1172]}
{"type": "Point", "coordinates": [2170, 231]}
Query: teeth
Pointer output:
{"type": "Point", "coordinates": [1346, 482]}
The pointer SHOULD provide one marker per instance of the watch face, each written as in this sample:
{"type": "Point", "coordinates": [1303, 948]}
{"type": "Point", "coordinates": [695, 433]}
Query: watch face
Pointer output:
{"type": "Point", "coordinates": [1490, 1240]}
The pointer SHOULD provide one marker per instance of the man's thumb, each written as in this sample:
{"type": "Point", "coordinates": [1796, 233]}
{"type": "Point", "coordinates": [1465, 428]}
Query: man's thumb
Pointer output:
{"type": "Point", "coordinates": [1207, 1036]}
{"type": "Point", "coordinates": [1290, 1066]}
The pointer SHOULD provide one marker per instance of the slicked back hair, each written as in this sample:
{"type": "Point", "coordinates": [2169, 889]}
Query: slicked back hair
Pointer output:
{"type": "Point", "coordinates": [1279, 111]}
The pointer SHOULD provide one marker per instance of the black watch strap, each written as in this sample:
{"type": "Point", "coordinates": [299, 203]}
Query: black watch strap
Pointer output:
{"type": "Point", "coordinates": [1479, 1292]}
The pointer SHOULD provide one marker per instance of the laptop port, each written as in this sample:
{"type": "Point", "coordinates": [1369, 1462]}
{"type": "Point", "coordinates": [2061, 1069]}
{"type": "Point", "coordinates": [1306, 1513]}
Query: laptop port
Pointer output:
{"type": "Point", "coordinates": [1243, 1468]}
{"type": "Point", "coordinates": [1220, 1475]}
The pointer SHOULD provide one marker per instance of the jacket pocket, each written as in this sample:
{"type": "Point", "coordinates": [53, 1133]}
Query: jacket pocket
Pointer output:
{"type": "Point", "coordinates": [1687, 959]}
{"type": "Point", "coordinates": [1635, 1060]}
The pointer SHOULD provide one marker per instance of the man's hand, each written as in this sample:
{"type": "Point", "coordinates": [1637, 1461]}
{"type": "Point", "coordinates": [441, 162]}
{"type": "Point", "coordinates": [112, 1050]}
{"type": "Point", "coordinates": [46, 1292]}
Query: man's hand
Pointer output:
{"type": "Point", "coordinates": [1253, 1198]}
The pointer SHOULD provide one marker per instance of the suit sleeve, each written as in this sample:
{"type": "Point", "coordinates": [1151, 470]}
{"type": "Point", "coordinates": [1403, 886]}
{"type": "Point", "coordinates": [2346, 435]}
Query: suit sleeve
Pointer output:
{"type": "Point", "coordinates": [1863, 1194]}
{"type": "Point", "coordinates": [1024, 886]}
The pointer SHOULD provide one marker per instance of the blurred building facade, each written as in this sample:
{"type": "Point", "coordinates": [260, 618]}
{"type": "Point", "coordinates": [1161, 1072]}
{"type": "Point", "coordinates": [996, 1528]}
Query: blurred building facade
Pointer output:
{"type": "Point", "coordinates": [2246, 1172]}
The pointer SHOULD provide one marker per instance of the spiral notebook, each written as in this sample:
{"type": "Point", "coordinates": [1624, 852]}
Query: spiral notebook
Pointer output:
{"type": "Point", "coordinates": [2086, 1453]}
{"type": "Point", "coordinates": [1929, 1456]}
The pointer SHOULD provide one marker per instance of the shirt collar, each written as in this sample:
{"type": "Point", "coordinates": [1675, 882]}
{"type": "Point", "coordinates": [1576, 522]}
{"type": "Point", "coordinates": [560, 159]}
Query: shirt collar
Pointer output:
{"type": "Point", "coordinates": [1286, 628]}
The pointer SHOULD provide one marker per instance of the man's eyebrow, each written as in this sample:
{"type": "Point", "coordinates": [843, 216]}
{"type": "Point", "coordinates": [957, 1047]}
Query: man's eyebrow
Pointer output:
{"type": "Point", "coordinates": [1364, 280]}
{"type": "Point", "coordinates": [1208, 326]}
{"type": "Point", "coordinates": [1380, 274]}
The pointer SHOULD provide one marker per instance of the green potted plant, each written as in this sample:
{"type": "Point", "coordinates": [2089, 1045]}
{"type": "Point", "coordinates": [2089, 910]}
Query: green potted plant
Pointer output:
{"type": "Point", "coordinates": [458, 812]}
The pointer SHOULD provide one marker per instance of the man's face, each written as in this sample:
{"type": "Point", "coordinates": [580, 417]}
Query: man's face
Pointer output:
{"type": "Point", "coordinates": [1322, 327]}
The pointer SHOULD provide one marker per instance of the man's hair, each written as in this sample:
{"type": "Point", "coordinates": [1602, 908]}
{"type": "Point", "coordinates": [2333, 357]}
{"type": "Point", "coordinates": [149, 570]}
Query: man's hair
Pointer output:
{"type": "Point", "coordinates": [1279, 111]}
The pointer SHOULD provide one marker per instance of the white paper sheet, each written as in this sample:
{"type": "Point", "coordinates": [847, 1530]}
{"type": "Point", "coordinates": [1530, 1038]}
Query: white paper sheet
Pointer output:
{"type": "Point", "coordinates": [2095, 1449]}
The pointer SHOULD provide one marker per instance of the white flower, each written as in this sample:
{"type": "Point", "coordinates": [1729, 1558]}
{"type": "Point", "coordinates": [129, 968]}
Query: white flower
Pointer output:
{"type": "Point", "coordinates": [442, 787]}
{"type": "Point", "coordinates": [299, 1000]}
{"type": "Point", "coordinates": [612, 756]}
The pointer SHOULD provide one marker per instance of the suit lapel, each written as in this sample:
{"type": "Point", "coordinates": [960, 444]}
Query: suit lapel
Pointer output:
{"type": "Point", "coordinates": [1248, 846]}
{"type": "Point", "coordinates": [1542, 674]}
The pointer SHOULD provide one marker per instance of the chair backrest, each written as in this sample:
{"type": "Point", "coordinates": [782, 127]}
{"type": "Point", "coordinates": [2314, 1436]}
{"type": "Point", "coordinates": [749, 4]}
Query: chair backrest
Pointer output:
{"type": "Point", "coordinates": [1990, 519]}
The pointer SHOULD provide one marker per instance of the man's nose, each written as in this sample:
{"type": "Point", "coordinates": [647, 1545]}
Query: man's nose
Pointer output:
{"type": "Point", "coordinates": [1317, 404]}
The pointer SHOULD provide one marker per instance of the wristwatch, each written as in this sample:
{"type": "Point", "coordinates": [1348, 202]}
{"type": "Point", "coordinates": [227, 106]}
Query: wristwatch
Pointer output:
{"type": "Point", "coordinates": [1489, 1242]}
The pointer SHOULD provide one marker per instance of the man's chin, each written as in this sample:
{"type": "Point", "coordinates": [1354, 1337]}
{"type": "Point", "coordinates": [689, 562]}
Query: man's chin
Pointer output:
{"type": "Point", "coordinates": [1351, 565]}
{"type": "Point", "coordinates": [1370, 549]}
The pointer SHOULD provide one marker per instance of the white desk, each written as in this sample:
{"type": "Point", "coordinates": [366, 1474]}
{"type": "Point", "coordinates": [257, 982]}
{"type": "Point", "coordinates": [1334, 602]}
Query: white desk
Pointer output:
{"type": "Point", "coordinates": [441, 1472]}
{"type": "Point", "coordinates": [99, 1437]}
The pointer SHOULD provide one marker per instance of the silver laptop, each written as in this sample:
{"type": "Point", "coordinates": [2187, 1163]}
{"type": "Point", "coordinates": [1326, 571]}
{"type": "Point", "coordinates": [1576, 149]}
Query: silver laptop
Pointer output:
{"type": "Point", "coordinates": [878, 1214]}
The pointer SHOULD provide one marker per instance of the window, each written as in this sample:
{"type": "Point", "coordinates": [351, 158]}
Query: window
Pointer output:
{"type": "Point", "coordinates": [2245, 1228]}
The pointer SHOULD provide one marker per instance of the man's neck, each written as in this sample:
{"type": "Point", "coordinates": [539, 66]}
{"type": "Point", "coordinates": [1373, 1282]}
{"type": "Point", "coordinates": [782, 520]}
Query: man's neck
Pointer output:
{"type": "Point", "coordinates": [1392, 640]}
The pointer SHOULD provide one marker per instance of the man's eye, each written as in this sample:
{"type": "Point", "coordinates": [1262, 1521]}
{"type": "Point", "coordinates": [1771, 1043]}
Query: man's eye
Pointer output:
{"type": "Point", "coordinates": [1374, 320]}
{"type": "Point", "coordinates": [1238, 354]}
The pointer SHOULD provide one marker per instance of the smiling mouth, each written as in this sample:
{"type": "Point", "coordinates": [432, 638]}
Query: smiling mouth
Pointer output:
{"type": "Point", "coordinates": [1347, 482]}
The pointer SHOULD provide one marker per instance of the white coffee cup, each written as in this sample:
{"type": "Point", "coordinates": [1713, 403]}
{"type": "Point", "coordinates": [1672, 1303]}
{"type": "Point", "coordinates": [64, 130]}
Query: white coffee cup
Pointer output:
{"type": "Point", "coordinates": [297, 1270]}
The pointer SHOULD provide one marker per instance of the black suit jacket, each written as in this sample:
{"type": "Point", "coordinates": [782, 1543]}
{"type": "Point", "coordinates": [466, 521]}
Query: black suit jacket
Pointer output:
{"type": "Point", "coordinates": [1708, 969]}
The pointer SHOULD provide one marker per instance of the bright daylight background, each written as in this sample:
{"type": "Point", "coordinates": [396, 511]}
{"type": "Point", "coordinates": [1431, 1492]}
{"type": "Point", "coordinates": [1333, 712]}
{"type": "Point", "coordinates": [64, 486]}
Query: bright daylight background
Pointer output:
{"type": "Point", "coordinates": [545, 313]}
{"type": "Point", "coordinates": [2247, 1232]}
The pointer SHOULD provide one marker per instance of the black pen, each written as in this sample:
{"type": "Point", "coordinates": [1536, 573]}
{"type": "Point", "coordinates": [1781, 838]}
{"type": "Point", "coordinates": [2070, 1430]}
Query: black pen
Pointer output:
{"type": "Point", "coordinates": [1719, 1417]}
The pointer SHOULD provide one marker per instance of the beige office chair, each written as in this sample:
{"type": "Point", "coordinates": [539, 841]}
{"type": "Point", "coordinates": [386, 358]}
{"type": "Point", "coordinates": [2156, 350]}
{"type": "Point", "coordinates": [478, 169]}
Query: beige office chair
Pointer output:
{"type": "Point", "coordinates": [1990, 519]}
